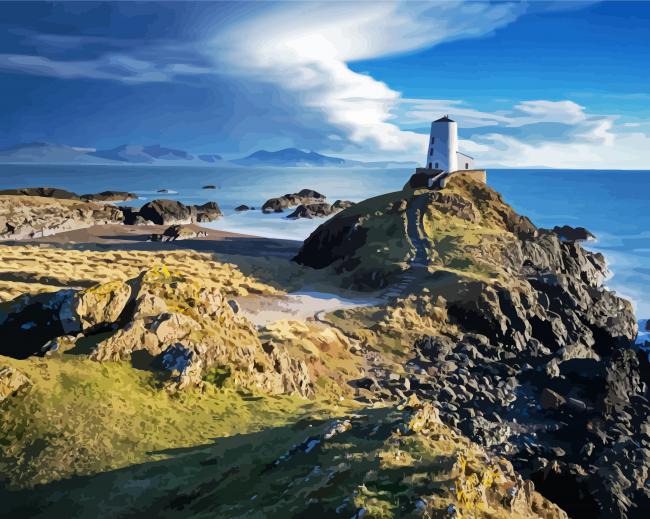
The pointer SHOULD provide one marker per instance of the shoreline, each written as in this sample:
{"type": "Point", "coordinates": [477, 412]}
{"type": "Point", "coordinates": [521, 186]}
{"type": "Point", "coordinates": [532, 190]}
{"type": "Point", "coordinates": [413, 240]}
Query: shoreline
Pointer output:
{"type": "Point", "coordinates": [135, 237]}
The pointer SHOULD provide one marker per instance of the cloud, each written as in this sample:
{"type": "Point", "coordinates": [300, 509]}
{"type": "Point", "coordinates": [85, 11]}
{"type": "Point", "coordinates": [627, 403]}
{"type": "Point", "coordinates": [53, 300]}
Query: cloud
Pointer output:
{"type": "Point", "coordinates": [115, 67]}
{"type": "Point", "coordinates": [305, 49]}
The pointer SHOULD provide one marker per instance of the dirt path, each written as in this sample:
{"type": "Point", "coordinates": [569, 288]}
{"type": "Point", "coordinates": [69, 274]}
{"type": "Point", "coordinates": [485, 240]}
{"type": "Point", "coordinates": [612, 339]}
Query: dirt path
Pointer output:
{"type": "Point", "coordinates": [300, 306]}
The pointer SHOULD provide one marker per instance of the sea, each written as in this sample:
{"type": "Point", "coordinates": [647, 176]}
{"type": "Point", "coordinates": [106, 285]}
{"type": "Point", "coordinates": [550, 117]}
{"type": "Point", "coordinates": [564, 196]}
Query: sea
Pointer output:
{"type": "Point", "coordinates": [613, 205]}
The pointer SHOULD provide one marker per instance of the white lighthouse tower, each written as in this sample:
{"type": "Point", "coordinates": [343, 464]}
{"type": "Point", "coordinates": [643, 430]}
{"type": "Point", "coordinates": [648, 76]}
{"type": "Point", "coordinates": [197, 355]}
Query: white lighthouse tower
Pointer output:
{"type": "Point", "coordinates": [442, 152]}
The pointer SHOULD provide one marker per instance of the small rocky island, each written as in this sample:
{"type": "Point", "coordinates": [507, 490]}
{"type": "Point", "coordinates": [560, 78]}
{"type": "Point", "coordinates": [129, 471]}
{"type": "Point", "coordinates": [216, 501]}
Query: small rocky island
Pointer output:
{"type": "Point", "coordinates": [475, 366]}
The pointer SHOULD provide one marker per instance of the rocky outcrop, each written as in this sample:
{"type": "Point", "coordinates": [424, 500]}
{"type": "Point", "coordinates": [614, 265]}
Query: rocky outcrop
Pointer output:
{"type": "Point", "coordinates": [48, 192]}
{"type": "Point", "coordinates": [320, 209]}
{"type": "Point", "coordinates": [535, 359]}
{"type": "Point", "coordinates": [33, 216]}
{"type": "Point", "coordinates": [243, 207]}
{"type": "Point", "coordinates": [178, 232]}
{"type": "Point", "coordinates": [185, 329]}
{"type": "Point", "coordinates": [109, 196]}
{"type": "Point", "coordinates": [302, 197]}
{"type": "Point", "coordinates": [168, 212]}
{"type": "Point", "coordinates": [569, 233]}
{"type": "Point", "coordinates": [53, 192]}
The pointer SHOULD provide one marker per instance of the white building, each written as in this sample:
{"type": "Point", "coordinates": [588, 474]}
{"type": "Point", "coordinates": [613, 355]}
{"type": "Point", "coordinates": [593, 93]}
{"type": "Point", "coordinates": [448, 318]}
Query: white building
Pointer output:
{"type": "Point", "coordinates": [442, 152]}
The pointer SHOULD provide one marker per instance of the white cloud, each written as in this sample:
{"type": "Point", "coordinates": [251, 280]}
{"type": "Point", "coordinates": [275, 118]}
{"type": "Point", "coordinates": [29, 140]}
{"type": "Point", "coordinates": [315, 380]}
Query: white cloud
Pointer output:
{"type": "Point", "coordinates": [304, 49]}
{"type": "Point", "coordinates": [115, 67]}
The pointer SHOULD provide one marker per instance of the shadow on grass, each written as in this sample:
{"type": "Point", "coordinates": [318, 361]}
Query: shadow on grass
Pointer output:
{"type": "Point", "coordinates": [287, 471]}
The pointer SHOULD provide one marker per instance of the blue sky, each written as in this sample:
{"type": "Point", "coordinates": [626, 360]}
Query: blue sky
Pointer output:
{"type": "Point", "coordinates": [530, 83]}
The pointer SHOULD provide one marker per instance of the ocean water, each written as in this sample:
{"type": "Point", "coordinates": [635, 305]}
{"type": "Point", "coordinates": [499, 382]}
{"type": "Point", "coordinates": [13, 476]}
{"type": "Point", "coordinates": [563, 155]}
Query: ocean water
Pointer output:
{"type": "Point", "coordinates": [611, 204]}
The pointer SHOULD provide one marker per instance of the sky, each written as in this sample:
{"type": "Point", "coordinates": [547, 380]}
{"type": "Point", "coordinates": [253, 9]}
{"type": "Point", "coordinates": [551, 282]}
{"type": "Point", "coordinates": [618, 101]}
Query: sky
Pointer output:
{"type": "Point", "coordinates": [531, 84]}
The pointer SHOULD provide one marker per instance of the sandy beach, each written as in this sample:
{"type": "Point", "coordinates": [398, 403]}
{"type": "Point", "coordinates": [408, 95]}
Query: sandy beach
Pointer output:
{"type": "Point", "coordinates": [136, 237]}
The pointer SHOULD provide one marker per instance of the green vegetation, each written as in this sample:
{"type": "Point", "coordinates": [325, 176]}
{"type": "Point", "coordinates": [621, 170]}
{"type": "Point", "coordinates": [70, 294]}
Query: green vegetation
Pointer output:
{"type": "Point", "coordinates": [84, 417]}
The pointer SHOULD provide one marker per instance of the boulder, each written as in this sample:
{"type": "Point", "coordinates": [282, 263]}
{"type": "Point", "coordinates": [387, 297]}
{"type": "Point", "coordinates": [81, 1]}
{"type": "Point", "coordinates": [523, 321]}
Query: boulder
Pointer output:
{"type": "Point", "coordinates": [243, 207]}
{"type": "Point", "coordinates": [209, 186]}
{"type": "Point", "coordinates": [11, 381]}
{"type": "Point", "coordinates": [207, 212]}
{"type": "Point", "coordinates": [95, 307]}
{"type": "Point", "coordinates": [165, 212]}
{"type": "Point", "coordinates": [178, 232]}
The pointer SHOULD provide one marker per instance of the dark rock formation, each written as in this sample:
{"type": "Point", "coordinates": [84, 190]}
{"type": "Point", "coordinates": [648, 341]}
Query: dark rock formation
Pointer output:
{"type": "Point", "coordinates": [319, 209]}
{"type": "Point", "coordinates": [162, 212]}
{"type": "Point", "coordinates": [163, 190]}
{"type": "Point", "coordinates": [207, 212]}
{"type": "Point", "coordinates": [49, 192]}
{"type": "Point", "coordinates": [569, 233]}
{"type": "Point", "coordinates": [165, 212]}
{"type": "Point", "coordinates": [243, 207]}
{"type": "Point", "coordinates": [302, 197]}
{"type": "Point", "coordinates": [209, 186]}
{"type": "Point", "coordinates": [178, 232]}
{"type": "Point", "coordinates": [109, 196]}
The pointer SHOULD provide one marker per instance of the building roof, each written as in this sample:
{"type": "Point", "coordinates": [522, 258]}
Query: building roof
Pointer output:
{"type": "Point", "coordinates": [444, 119]}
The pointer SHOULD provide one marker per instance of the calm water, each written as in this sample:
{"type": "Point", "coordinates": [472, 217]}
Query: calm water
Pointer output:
{"type": "Point", "coordinates": [611, 204]}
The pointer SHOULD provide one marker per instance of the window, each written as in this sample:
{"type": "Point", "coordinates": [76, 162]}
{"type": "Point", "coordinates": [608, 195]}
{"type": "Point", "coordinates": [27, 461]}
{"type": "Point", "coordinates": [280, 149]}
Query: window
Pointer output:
{"type": "Point", "coordinates": [430, 152]}
{"type": "Point", "coordinates": [466, 165]}
{"type": "Point", "coordinates": [433, 140]}
{"type": "Point", "coordinates": [436, 165]}
{"type": "Point", "coordinates": [429, 165]}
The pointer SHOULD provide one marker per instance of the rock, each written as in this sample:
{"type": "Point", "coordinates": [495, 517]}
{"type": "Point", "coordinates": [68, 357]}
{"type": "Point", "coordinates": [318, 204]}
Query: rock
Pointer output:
{"type": "Point", "coordinates": [303, 197]}
{"type": "Point", "coordinates": [11, 382]}
{"type": "Point", "coordinates": [49, 192]}
{"type": "Point", "coordinates": [109, 196]}
{"type": "Point", "coordinates": [24, 217]}
{"type": "Point", "coordinates": [59, 345]}
{"type": "Point", "coordinates": [317, 210]}
{"type": "Point", "coordinates": [94, 307]}
{"type": "Point", "coordinates": [164, 212]}
{"type": "Point", "coordinates": [178, 232]}
{"type": "Point", "coordinates": [207, 212]}
{"type": "Point", "coordinates": [209, 186]}
{"type": "Point", "coordinates": [551, 400]}
{"type": "Point", "coordinates": [342, 204]}
{"type": "Point", "coordinates": [568, 233]}
{"type": "Point", "coordinates": [243, 208]}
{"type": "Point", "coordinates": [163, 191]}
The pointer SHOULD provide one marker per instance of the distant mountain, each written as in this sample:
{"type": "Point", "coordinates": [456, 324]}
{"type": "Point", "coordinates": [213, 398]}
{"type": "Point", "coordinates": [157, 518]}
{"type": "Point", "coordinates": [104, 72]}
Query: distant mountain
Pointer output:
{"type": "Point", "coordinates": [136, 154]}
{"type": "Point", "coordinates": [288, 157]}
{"type": "Point", "coordinates": [48, 153]}
{"type": "Point", "coordinates": [42, 152]}
{"type": "Point", "coordinates": [293, 157]}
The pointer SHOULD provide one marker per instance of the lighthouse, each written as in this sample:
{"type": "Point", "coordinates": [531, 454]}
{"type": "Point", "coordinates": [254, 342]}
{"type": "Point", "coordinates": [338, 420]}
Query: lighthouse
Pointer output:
{"type": "Point", "coordinates": [442, 152]}
{"type": "Point", "coordinates": [443, 159]}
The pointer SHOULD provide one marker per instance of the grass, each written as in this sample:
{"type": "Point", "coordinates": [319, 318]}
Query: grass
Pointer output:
{"type": "Point", "coordinates": [83, 417]}
{"type": "Point", "coordinates": [377, 462]}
